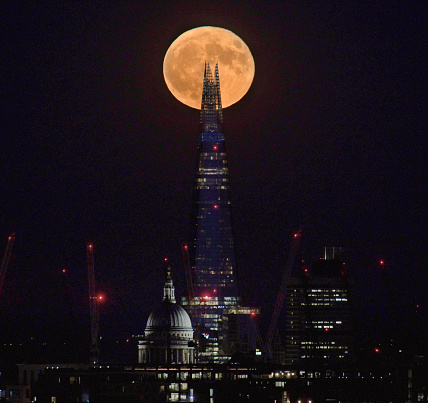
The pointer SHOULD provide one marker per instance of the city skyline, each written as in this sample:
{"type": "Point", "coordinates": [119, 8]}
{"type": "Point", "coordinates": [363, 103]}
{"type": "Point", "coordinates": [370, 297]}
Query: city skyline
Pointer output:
{"type": "Point", "coordinates": [329, 137]}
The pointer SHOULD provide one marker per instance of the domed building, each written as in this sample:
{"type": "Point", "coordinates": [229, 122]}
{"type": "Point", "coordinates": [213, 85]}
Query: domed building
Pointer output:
{"type": "Point", "coordinates": [168, 337]}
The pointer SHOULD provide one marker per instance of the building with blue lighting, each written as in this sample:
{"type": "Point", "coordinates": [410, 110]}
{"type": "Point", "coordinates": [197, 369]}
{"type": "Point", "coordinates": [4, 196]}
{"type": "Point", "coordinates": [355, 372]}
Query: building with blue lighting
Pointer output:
{"type": "Point", "coordinates": [214, 297]}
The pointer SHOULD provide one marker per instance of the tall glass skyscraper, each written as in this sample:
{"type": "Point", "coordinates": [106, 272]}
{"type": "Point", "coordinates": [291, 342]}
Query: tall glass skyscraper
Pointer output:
{"type": "Point", "coordinates": [212, 257]}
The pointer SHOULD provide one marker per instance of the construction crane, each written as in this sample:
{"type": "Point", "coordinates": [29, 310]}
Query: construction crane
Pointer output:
{"type": "Point", "coordinates": [259, 337]}
{"type": "Point", "coordinates": [68, 293]}
{"type": "Point", "coordinates": [282, 291]}
{"type": "Point", "coordinates": [93, 306]}
{"type": "Point", "coordinates": [6, 258]}
{"type": "Point", "coordinates": [188, 271]}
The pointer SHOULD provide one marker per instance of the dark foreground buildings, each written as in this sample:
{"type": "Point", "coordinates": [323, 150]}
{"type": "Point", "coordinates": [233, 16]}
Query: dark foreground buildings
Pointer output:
{"type": "Point", "coordinates": [231, 383]}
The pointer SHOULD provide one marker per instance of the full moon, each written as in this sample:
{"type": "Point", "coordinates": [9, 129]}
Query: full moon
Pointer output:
{"type": "Point", "coordinates": [183, 66]}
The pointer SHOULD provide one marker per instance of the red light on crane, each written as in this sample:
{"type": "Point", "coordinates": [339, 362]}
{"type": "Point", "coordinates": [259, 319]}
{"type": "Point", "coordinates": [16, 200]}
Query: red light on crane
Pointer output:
{"type": "Point", "coordinates": [64, 271]}
{"type": "Point", "coordinates": [215, 206]}
{"type": "Point", "coordinates": [215, 148]}
{"type": "Point", "coordinates": [382, 262]}
{"type": "Point", "coordinates": [376, 350]}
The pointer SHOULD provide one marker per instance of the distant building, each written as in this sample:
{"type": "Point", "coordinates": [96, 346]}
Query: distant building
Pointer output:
{"type": "Point", "coordinates": [319, 325]}
{"type": "Point", "coordinates": [168, 337]}
{"type": "Point", "coordinates": [212, 255]}
{"type": "Point", "coordinates": [215, 383]}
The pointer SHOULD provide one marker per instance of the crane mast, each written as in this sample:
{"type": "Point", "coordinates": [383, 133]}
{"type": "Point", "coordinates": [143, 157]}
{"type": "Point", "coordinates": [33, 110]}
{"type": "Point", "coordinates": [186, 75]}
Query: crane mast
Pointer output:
{"type": "Point", "coordinates": [93, 306]}
{"type": "Point", "coordinates": [282, 291]}
{"type": "Point", "coordinates": [6, 258]}
{"type": "Point", "coordinates": [186, 262]}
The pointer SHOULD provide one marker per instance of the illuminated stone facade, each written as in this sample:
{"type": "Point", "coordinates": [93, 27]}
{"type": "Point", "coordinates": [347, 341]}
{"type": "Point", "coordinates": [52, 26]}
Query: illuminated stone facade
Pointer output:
{"type": "Point", "coordinates": [168, 337]}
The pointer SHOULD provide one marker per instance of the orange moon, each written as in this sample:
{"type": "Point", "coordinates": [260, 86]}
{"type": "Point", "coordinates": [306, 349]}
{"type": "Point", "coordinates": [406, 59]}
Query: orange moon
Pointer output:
{"type": "Point", "coordinates": [183, 65]}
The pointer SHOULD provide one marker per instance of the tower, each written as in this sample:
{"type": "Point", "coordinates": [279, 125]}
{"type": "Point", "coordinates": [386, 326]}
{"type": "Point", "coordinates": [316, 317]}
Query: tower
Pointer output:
{"type": "Point", "coordinates": [212, 254]}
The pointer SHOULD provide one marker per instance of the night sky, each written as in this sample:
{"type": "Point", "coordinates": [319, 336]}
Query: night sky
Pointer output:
{"type": "Point", "coordinates": [330, 137]}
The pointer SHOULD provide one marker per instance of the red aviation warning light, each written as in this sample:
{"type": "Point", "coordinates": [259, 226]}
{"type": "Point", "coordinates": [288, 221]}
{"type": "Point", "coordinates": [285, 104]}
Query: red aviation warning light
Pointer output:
{"type": "Point", "coordinates": [216, 206]}
{"type": "Point", "coordinates": [93, 306]}
{"type": "Point", "coordinates": [215, 148]}
{"type": "Point", "coordinates": [6, 258]}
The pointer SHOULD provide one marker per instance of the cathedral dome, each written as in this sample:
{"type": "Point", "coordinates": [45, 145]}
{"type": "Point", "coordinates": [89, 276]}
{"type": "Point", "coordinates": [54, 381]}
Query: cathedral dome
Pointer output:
{"type": "Point", "coordinates": [168, 337]}
{"type": "Point", "coordinates": [169, 316]}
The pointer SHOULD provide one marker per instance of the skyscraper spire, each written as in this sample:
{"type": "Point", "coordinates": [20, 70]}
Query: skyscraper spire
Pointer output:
{"type": "Point", "coordinates": [211, 119]}
{"type": "Point", "coordinates": [212, 253]}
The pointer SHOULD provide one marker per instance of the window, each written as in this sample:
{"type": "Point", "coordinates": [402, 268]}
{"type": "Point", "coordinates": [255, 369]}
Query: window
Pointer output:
{"type": "Point", "coordinates": [14, 393]}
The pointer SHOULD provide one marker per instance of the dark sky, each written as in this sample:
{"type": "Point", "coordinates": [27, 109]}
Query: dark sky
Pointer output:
{"type": "Point", "coordinates": [94, 147]}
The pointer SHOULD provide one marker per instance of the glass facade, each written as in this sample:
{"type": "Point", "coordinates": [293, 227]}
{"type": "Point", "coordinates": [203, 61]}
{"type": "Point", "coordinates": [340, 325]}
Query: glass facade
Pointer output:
{"type": "Point", "coordinates": [212, 254]}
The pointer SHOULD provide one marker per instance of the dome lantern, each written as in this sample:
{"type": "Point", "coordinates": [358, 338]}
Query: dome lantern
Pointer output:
{"type": "Point", "coordinates": [168, 289]}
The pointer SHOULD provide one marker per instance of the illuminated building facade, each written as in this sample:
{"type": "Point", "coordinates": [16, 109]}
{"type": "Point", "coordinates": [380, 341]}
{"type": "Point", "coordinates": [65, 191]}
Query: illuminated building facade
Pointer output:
{"type": "Point", "coordinates": [319, 325]}
{"type": "Point", "coordinates": [212, 257]}
{"type": "Point", "coordinates": [168, 337]}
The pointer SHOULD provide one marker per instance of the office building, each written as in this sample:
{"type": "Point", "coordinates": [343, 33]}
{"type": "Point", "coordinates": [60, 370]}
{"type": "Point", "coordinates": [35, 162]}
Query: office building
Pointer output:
{"type": "Point", "coordinates": [319, 325]}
